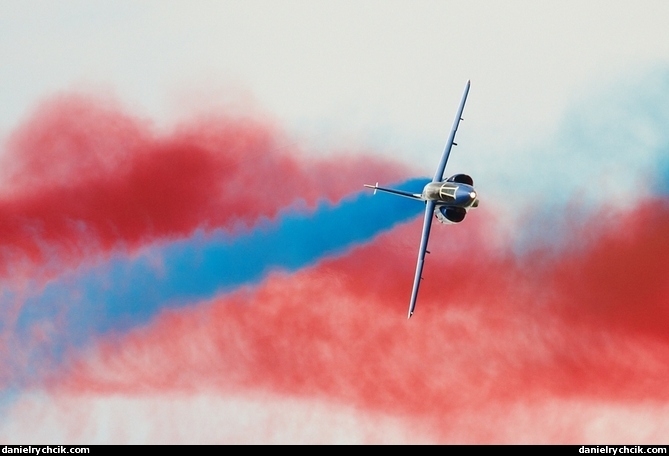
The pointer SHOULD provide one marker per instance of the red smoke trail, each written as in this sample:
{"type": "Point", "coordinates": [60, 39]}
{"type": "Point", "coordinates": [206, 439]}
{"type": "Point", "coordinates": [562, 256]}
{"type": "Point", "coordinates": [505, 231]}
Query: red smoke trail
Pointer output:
{"type": "Point", "coordinates": [499, 350]}
{"type": "Point", "coordinates": [627, 272]}
{"type": "Point", "coordinates": [83, 177]}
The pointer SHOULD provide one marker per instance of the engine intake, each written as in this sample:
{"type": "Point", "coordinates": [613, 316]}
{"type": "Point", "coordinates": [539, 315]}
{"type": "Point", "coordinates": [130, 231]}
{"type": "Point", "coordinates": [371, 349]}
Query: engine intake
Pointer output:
{"type": "Point", "coordinates": [450, 215]}
{"type": "Point", "coordinates": [461, 179]}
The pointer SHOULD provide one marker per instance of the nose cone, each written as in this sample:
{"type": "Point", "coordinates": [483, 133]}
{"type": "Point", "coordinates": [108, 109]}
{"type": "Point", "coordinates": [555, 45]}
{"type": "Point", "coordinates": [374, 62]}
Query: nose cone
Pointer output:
{"type": "Point", "coordinates": [465, 195]}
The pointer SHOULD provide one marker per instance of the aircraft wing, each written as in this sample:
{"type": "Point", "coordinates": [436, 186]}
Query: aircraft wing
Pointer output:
{"type": "Point", "coordinates": [376, 187]}
{"type": "Point", "coordinates": [439, 175]}
{"type": "Point", "coordinates": [430, 204]}
{"type": "Point", "coordinates": [427, 223]}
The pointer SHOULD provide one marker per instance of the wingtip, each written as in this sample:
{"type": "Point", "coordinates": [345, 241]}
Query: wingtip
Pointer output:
{"type": "Point", "coordinates": [374, 187]}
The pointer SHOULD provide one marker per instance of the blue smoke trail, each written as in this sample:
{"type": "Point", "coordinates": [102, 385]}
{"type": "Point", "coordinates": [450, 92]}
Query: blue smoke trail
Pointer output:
{"type": "Point", "coordinates": [125, 293]}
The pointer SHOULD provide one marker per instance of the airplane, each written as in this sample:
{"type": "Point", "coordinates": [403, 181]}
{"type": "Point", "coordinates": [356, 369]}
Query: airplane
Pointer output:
{"type": "Point", "coordinates": [448, 199]}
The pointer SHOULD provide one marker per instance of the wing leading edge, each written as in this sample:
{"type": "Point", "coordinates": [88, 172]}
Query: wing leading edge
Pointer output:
{"type": "Point", "coordinates": [430, 204]}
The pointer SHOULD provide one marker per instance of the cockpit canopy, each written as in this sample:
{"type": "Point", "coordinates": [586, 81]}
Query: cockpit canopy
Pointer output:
{"type": "Point", "coordinates": [440, 191]}
{"type": "Point", "coordinates": [451, 193]}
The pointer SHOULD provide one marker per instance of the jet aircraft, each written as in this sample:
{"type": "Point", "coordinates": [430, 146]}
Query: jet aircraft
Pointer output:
{"type": "Point", "coordinates": [448, 199]}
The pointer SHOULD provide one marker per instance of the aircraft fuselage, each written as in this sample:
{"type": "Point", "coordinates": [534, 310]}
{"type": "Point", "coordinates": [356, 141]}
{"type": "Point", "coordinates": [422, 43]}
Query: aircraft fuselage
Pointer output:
{"type": "Point", "coordinates": [450, 193]}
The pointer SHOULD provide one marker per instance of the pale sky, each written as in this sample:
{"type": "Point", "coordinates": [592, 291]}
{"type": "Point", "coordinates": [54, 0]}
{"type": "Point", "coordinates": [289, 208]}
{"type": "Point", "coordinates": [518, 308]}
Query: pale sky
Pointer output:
{"type": "Point", "coordinates": [387, 72]}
